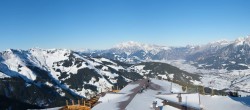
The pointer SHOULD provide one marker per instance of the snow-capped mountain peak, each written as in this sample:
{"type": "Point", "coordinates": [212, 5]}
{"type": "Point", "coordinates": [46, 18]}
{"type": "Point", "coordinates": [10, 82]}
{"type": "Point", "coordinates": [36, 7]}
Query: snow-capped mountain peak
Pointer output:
{"type": "Point", "coordinates": [132, 46]}
{"type": "Point", "coordinates": [239, 41]}
{"type": "Point", "coordinates": [128, 44]}
{"type": "Point", "coordinates": [220, 42]}
{"type": "Point", "coordinates": [242, 40]}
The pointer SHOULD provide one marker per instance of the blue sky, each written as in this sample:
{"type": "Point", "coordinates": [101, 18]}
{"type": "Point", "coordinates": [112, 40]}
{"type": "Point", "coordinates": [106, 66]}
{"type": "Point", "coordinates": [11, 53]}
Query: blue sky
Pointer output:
{"type": "Point", "coordinates": [100, 24]}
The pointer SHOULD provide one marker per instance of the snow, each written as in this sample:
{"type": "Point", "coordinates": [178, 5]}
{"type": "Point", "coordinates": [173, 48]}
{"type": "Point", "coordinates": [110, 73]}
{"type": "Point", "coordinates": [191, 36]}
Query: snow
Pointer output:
{"type": "Point", "coordinates": [49, 84]}
{"type": "Point", "coordinates": [164, 76]}
{"type": "Point", "coordinates": [166, 86]}
{"type": "Point", "coordinates": [244, 94]}
{"type": "Point", "coordinates": [101, 60]}
{"type": "Point", "coordinates": [171, 76]}
{"type": "Point", "coordinates": [128, 88]}
{"type": "Point", "coordinates": [103, 85]}
{"type": "Point", "coordinates": [139, 67]}
{"type": "Point", "coordinates": [181, 64]}
{"type": "Point", "coordinates": [144, 100]}
{"type": "Point", "coordinates": [210, 102]}
{"type": "Point", "coordinates": [109, 104]}
{"type": "Point", "coordinates": [191, 100]}
{"type": "Point", "coordinates": [110, 96]}
{"type": "Point", "coordinates": [221, 42]}
{"type": "Point", "coordinates": [28, 73]}
{"type": "Point", "coordinates": [117, 68]}
{"type": "Point", "coordinates": [222, 103]}
{"type": "Point", "coordinates": [27, 84]}
{"type": "Point", "coordinates": [239, 41]}
{"type": "Point", "coordinates": [233, 62]}
{"type": "Point", "coordinates": [44, 59]}
{"type": "Point", "coordinates": [217, 78]}
{"type": "Point", "coordinates": [230, 80]}
{"type": "Point", "coordinates": [111, 100]}
{"type": "Point", "coordinates": [141, 101]}
{"type": "Point", "coordinates": [195, 82]}
{"type": "Point", "coordinates": [242, 64]}
{"type": "Point", "coordinates": [131, 46]}
{"type": "Point", "coordinates": [107, 73]}
{"type": "Point", "coordinates": [49, 56]}
{"type": "Point", "coordinates": [2, 75]}
{"type": "Point", "coordinates": [12, 61]}
{"type": "Point", "coordinates": [14, 64]}
{"type": "Point", "coordinates": [107, 60]}
{"type": "Point", "coordinates": [167, 107]}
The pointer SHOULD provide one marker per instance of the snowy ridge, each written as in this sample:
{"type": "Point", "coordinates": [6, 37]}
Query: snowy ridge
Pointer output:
{"type": "Point", "coordinates": [135, 52]}
{"type": "Point", "coordinates": [242, 41]}
{"type": "Point", "coordinates": [152, 98]}
{"type": "Point", "coordinates": [62, 71]}
{"type": "Point", "coordinates": [67, 73]}
{"type": "Point", "coordinates": [132, 46]}
{"type": "Point", "coordinates": [222, 65]}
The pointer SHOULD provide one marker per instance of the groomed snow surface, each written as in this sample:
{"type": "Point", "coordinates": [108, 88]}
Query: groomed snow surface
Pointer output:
{"type": "Point", "coordinates": [159, 91]}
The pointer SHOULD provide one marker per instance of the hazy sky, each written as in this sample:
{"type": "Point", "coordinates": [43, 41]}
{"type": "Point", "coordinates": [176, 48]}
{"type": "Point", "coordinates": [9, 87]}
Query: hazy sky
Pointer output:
{"type": "Point", "coordinates": [100, 24]}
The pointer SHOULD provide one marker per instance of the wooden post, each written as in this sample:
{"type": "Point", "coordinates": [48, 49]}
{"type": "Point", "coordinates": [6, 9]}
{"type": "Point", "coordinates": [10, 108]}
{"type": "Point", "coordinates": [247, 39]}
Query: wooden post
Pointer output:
{"type": "Point", "coordinates": [84, 103]}
{"type": "Point", "coordinates": [186, 88]}
{"type": "Point", "coordinates": [203, 90]}
{"type": "Point", "coordinates": [89, 104]}
{"type": "Point", "coordinates": [117, 87]}
{"type": "Point", "coordinates": [82, 100]}
{"type": "Point", "coordinates": [212, 93]}
{"type": "Point", "coordinates": [79, 103]}
{"type": "Point", "coordinates": [73, 102]}
{"type": "Point", "coordinates": [67, 103]}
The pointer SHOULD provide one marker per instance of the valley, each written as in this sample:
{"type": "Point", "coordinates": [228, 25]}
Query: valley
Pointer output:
{"type": "Point", "coordinates": [48, 77]}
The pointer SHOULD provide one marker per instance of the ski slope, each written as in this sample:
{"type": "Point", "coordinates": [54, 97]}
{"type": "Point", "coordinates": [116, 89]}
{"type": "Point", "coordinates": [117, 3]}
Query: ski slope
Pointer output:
{"type": "Point", "coordinates": [159, 91]}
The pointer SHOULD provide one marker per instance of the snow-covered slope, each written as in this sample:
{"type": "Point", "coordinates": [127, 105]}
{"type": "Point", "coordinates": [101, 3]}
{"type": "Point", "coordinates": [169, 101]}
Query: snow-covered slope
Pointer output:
{"type": "Point", "coordinates": [159, 91]}
{"type": "Point", "coordinates": [225, 103]}
{"type": "Point", "coordinates": [220, 62]}
{"type": "Point", "coordinates": [80, 74]}
{"type": "Point", "coordinates": [63, 72]}
{"type": "Point", "coordinates": [131, 99]}
{"type": "Point", "coordinates": [51, 76]}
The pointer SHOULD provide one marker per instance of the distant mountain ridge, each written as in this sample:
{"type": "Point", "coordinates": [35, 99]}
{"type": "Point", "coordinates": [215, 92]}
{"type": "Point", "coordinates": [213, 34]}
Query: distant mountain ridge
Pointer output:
{"type": "Point", "coordinates": [131, 47]}
{"type": "Point", "coordinates": [232, 55]}
{"type": "Point", "coordinates": [48, 77]}
{"type": "Point", "coordinates": [214, 55]}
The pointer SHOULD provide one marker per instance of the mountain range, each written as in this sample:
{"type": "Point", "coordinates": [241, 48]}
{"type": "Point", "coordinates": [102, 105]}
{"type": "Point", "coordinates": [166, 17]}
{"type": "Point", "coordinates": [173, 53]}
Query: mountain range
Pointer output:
{"type": "Point", "coordinates": [48, 77]}
{"type": "Point", "coordinates": [230, 55]}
